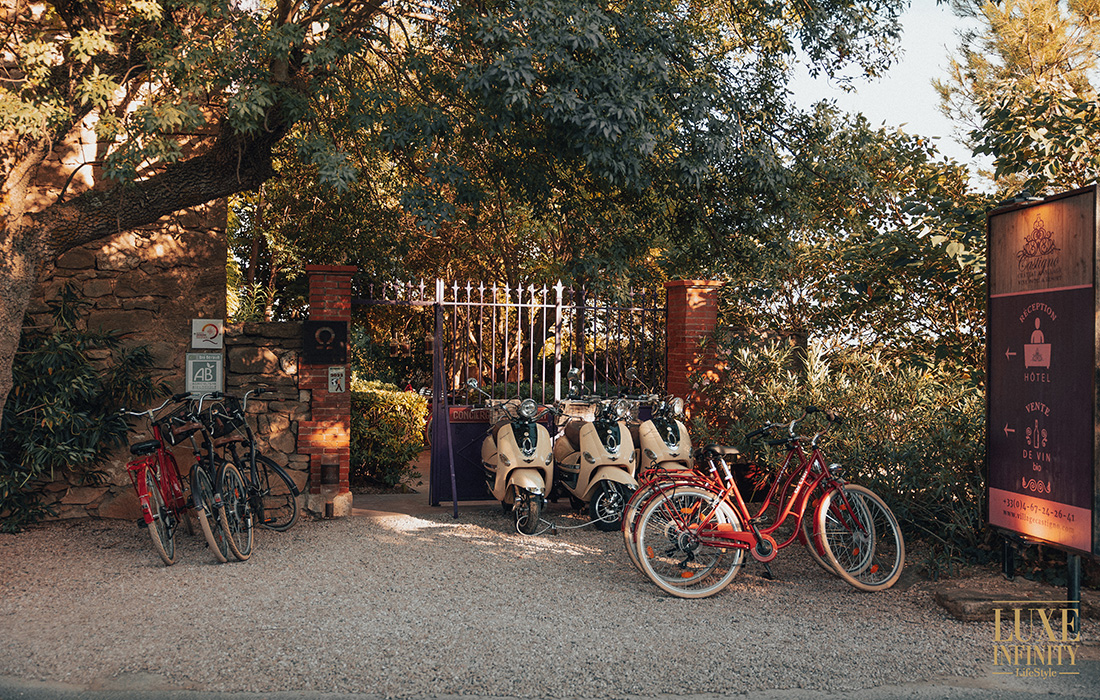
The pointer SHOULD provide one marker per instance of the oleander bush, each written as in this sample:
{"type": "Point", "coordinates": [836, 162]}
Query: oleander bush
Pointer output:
{"type": "Point", "coordinates": [61, 419]}
{"type": "Point", "coordinates": [387, 432]}
{"type": "Point", "coordinates": [914, 435]}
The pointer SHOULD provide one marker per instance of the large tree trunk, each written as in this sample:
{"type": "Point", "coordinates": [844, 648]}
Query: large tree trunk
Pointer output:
{"type": "Point", "coordinates": [29, 241]}
{"type": "Point", "coordinates": [18, 266]}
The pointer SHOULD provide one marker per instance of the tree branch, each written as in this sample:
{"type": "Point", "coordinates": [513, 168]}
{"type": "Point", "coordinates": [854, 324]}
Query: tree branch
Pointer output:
{"type": "Point", "coordinates": [234, 163]}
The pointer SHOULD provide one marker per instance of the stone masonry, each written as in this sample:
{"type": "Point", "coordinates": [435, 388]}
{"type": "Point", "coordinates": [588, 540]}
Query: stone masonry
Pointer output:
{"type": "Point", "coordinates": [267, 354]}
{"type": "Point", "coordinates": [148, 284]}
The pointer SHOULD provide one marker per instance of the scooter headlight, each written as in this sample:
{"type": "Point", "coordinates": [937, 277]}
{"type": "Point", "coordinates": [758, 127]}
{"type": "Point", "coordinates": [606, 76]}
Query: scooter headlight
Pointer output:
{"type": "Point", "coordinates": [621, 410]}
{"type": "Point", "coordinates": [528, 409]}
{"type": "Point", "coordinates": [677, 406]}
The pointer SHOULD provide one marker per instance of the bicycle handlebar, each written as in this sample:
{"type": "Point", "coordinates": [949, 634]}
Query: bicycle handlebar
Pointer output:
{"type": "Point", "coordinates": [807, 411]}
{"type": "Point", "coordinates": [176, 398]}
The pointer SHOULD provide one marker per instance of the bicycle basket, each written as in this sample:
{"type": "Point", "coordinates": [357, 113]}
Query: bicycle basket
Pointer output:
{"type": "Point", "coordinates": [170, 424]}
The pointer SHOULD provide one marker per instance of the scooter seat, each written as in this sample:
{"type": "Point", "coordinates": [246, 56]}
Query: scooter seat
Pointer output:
{"type": "Point", "coordinates": [573, 432]}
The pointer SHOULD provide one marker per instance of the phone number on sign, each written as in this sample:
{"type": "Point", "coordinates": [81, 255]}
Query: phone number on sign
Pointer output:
{"type": "Point", "coordinates": [1037, 509]}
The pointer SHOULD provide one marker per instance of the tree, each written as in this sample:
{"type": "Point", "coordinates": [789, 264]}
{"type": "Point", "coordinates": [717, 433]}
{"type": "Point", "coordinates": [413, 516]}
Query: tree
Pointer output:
{"type": "Point", "coordinates": [869, 240]}
{"type": "Point", "coordinates": [556, 139]}
{"type": "Point", "coordinates": [189, 98]}
{"type": "Point", "coordinates": [1022, 91]}
{"type": "Point", "coordinates": [143, 75]}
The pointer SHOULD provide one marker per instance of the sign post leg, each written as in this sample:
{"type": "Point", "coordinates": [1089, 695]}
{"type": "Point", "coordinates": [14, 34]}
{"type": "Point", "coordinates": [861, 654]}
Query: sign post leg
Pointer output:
{"type": "Point", "coordinates": [1008, 559]}
{"type": "Point", "coordinates": [1073, 592]}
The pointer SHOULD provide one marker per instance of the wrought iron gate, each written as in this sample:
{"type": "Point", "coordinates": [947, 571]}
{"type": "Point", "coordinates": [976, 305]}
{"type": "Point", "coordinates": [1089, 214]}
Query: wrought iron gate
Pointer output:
{"type": "Point", "coordinates": [520, 342]}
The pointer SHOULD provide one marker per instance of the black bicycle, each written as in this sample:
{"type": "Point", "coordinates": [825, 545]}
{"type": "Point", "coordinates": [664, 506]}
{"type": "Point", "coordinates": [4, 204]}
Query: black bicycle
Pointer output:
{"type": "Point", "coordinates": [272, 494]}
{"type": "Point", "coordinates": [229, 489]}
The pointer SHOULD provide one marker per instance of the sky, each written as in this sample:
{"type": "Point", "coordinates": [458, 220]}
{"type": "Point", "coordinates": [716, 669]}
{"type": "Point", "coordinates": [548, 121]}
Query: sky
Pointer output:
{"type": "Point", "coordinates": [905, 94]}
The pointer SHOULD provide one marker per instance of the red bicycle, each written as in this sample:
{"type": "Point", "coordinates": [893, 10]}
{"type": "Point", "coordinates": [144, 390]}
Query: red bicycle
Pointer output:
{"type": "Point", "coordinates": [156, 478]}
{"type": "Point", "coordinates": [691, 535]}
{"type": "Point", "coordinates": [160, 491]}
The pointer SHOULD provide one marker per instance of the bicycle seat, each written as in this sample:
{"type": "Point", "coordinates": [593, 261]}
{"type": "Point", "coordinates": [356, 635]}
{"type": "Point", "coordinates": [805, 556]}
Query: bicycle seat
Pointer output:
{"type": "Point", "coordinates": [145, 447]}
{"type": "Point", "coordinates": [724, 450]}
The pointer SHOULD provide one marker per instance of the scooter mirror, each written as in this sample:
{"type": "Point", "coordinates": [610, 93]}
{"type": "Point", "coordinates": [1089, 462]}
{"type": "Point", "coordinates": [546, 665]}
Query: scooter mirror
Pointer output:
{"type": "Point", "coordinates": [631, 374]}
{"type": "Point", "coordinates": [573, 374]}
{"type": "Point", "coordinates": [471, 383]}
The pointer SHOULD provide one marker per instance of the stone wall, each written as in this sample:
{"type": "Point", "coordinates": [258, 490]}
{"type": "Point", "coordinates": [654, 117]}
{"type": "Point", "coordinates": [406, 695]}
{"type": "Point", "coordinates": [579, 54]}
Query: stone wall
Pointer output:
{"type": "Point", "coordinates": [147, 284]}
{"type": "Point", "coordinates": [267, 354]}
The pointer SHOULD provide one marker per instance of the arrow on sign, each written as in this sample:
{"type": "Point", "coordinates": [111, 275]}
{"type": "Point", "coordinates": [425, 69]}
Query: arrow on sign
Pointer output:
{"type": "Point", "coordinates": [1008, 430]}
{"type": "Point", "coordinates": [1009, 354]}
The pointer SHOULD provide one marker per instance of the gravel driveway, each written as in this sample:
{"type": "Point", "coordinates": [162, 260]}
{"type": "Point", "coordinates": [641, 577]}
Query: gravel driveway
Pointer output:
{"type": "Point", "coordinates": [425, 605]}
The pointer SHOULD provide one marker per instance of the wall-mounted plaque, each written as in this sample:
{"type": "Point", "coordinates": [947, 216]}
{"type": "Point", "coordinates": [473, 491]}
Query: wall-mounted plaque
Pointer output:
{"type": "Point", "coordinates": [325, 342]}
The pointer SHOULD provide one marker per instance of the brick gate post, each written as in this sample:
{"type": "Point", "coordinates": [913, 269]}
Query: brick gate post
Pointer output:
{"type": "Point", "coordinates": [326, 437]}
{"type": "Point", "coordinates": [692, 313]}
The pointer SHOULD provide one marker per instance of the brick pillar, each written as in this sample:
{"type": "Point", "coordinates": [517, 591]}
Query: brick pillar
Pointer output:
{"type": "Point", "coordinates": [326, 437]}
{"type": "Point", "coordinates": [692, 314]}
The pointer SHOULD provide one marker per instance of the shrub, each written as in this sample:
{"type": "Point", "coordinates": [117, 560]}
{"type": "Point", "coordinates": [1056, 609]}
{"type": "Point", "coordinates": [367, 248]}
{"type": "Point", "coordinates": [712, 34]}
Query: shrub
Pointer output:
{"type": "Point", "coordinates": [387, 431]}
{"type": "Point", "coordinates": [915, 436]}
{"type": "Point", "coordinates": [61, 417]}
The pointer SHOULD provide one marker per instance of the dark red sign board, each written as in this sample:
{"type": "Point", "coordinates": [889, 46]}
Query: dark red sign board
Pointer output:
{"type": "Point", "coordinates": [1041, 356]}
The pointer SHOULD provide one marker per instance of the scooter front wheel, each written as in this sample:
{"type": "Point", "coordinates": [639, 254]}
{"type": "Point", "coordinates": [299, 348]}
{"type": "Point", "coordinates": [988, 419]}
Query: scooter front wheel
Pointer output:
{"type": "Point", "coordinates": [528, 512]}
{"type": "Point", "coordinates": [606, 506]}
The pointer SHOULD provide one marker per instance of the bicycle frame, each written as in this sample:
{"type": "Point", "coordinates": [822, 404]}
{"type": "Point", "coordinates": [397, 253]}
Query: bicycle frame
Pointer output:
{"type": "Point", "coordinates": [164, 466]}
{"type": "Point", "coordinates": [689, 524]}
{"type": "Point", "coordinates": [789, 502]}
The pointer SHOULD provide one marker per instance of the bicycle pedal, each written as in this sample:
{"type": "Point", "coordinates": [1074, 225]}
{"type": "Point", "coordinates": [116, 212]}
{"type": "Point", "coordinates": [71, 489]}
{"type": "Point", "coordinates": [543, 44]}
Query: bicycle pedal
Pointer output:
{"type": "Point", "coordinates": [768, 572]}
{"type": "Point", "coordinates": [140, 522]}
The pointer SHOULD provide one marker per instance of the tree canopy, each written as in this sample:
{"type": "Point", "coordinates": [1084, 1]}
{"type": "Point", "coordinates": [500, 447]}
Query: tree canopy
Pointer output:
{"type": "Point", "coordinates": [1022, 90]}
{"type": "Point", "coordinates": [524, 109]}
{"type": "Point", "coordinates": [560, 139]}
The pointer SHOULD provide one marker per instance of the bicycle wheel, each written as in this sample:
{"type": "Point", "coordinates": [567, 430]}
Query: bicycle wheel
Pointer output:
{"type": "Point", "coordinates": [860, 537]}
{"type": "Point", "coordinates": [631, 512]}
{"type": "Point", "coordinates": [236, 514]}
{"type": "Point", "coordinates": [162, 530]}
{"type": "Point", "coordinates": [276, 501]}
{"type": "Point", "coordinates": [669, 548]}
{"type": "Point", "coordinates": [812, 541]}
{"type": "Point", "coordinates": [202, 492]}
{"type": "Point", "coordinates": [811, 536]}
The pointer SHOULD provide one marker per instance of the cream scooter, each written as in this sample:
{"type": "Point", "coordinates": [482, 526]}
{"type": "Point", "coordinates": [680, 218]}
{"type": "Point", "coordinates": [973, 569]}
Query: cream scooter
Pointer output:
{"type": "Point", "coordinates": [518, 460]}
{"type": "Point", "coordinates": [596, 460]}
{"type": "Point", "coordinates": [663, 441]}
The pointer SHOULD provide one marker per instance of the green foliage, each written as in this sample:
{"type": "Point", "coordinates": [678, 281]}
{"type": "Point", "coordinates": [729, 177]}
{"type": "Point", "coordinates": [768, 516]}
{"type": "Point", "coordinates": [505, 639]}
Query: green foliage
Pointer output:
{"type": "Point", "coordinates": [387, 431]}
{"type": "Point", "coordinates": [870, 240]}
{"type": "Point", "coordinates": [1044, 141]}
{"type": "Point", "coordinates": [1020, 90]}
{"type": "Point", "coordinates": [556, 139]}
{"type": "Point", "coordinates": [379, 361]}
{"type": "Point", "coordinates": [62, 415]}
{"type": "Point", "coordinates": [915, 436]}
